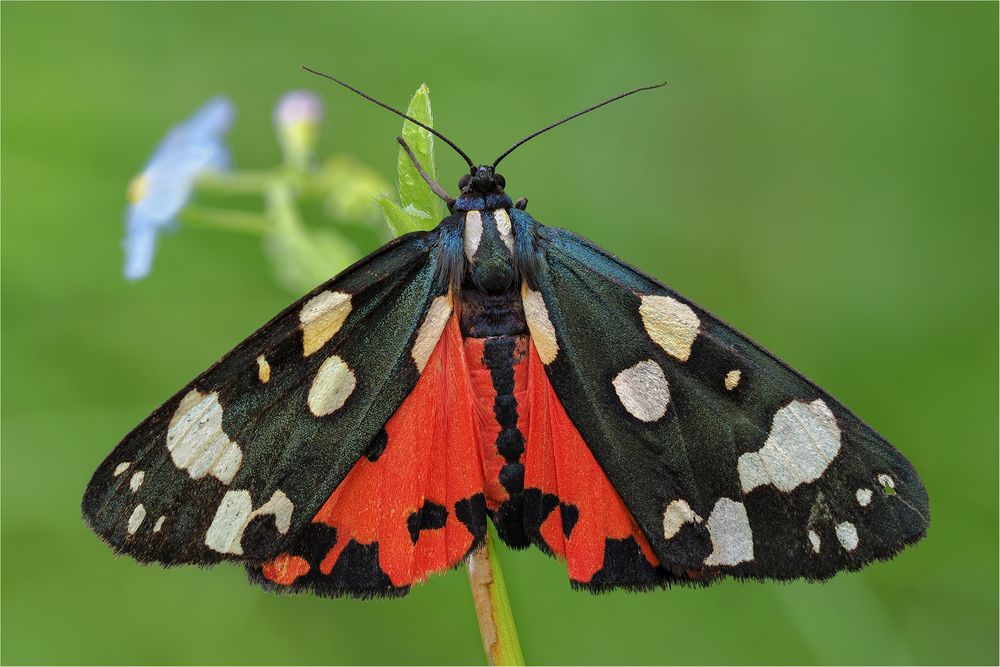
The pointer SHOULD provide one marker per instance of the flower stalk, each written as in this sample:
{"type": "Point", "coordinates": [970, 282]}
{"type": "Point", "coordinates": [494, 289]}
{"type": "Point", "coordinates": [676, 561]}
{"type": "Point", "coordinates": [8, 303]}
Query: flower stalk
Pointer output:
{"type": "Point", "coordinates": [489, 595]}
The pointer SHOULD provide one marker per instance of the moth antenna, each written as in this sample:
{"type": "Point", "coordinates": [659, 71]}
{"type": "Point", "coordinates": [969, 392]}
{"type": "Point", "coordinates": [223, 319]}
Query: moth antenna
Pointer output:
{"type": "Point", "coordinates": [576, 115]}
{"type": "Point", "coordinates": [435, 187]}
{"type": "Point", "coordinates": [397, 112]}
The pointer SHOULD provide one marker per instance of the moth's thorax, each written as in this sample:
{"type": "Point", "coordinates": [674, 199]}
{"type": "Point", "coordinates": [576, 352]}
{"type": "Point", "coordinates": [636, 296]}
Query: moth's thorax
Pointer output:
{"type": "Point", "coordinates": [488, 244]}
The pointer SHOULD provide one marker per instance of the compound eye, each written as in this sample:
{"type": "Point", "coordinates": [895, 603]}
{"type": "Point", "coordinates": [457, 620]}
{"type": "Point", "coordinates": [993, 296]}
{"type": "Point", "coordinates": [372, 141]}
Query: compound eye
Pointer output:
{"type": "Point", "coordinates": [500, 180]}
{"type": "Point", "coordinates": [464, 181]}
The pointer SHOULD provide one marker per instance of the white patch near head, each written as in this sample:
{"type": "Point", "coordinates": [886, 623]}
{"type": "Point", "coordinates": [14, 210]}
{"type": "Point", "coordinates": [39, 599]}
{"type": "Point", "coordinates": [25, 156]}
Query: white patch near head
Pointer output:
{"type": "Point", "coordinates": [643, 390]}
{"type": "Point", "coordinates": [333, 385]}
{"type": "Point", "coordinates": [234, 514]}
{"type": "Point", "coordinates": [136, 480]}
{"type": "Point", "coordinates": [504, 228]}
{"type": "Point", "coordinates": [678, 513]}
{"type": "Point", "coordinates": [473, 233]}
{"type": "Point", "coordinates": [732, 379]}
{"type": "Point", "coordinates": [263, 369]}
{"type": "Point", "coordinates": [321, 318]}
{"type": "Point", "coordinates": [729, 528]}
{"type": "Point", "coordinates": [122, 467]}
{"type": "Point", "coordinates": [543, 334]}
{"type": "Point", "coordinates": [864, 497]}
{"type": "Point", "coordinates": [197, 442]}
{"type": "Point", "coordinates": [671, 324]}
{"type": "Point", "coordinates": [430, 330]}
{"type": "Point", "coordinates": [814, 541]}
{"type": "Point", "coordinates": [886, 481]}
{"type": "Point", "coordinates": [136, 518]}
{"type": "Point", "coordinates": [847, 535]}
{"type": "Point", "coordinates": [803, 441]}
{"type": "Point", "coordinates": [159, 524]}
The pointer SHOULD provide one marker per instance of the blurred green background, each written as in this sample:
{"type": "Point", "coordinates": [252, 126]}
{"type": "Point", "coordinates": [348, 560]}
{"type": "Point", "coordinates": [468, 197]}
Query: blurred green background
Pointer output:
{"type": "Point", "coordinates": [822, 176]}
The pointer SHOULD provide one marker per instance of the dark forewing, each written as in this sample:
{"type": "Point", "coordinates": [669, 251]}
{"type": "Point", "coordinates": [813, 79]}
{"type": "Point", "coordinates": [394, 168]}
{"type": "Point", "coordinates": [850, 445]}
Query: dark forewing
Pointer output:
{"type": "Point", "coordinates": [240, 460]}
{"type": "Point", "coordinates": [730, 461]}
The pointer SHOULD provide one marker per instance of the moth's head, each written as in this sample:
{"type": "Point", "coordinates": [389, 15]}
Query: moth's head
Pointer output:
{"type": "Point", "coordinates": [482, 181]}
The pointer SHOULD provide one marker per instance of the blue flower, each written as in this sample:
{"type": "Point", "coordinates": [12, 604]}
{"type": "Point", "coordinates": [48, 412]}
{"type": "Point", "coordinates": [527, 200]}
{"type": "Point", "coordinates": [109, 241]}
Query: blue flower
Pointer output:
{"type": "Point", "coordinates": [159, 193]}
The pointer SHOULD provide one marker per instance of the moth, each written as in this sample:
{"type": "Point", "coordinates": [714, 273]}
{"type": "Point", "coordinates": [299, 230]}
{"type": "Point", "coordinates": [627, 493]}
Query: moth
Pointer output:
{"type": "Point", "coordinates": [498, 369]}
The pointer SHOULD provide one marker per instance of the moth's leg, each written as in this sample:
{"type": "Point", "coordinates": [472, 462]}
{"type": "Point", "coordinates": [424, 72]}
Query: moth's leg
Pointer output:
{"type": "Point", "coordinates": [436, 187]}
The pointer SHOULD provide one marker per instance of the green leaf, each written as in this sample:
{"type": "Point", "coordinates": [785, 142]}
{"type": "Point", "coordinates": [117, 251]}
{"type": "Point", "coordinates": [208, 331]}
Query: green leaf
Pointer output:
{"type": "Point", "coordinates": [399, 221]}
{"type": "Point", "coordinates": [415, 196]}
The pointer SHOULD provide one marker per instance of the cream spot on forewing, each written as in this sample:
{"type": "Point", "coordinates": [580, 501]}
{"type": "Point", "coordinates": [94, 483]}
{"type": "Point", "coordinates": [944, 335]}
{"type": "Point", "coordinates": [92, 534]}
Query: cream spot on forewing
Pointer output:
{"type": "Point", "coordinates": [803, 441]}
{"type": "Point", "coordinates": [321, 318]}
{"type": "Point", "coordinates": [136, 518]}
{"type": "Point", "coordinates": [263, 369]}
{"type": "Point", "coordinates": [122, 467]}
{"type": "Point", "coordinates": [732, 379]}
{"type": "Point", "coordinates": [643, 390]}
{"type": "Point", "coordinates": [543, 334]}
{"type": "Point", "coordinates": [886, 483]}
{"type": "Point", "coordinates": [847, 535]}
{"type": "Point", "coordinates": [136, 480]}
{"type": "Point", "coordinates": [729, 528]}
{"type": "Point", "coordinates": [159, 524]}
{"type": "Point", "coordinates": [864, 497]}
{"type": "Point", "coordinates": [332, 386]}
{"type": "Point", "coordinates": [671, 324]}
{"type": "Point", "coordinates": [814, 541]}
{"type": "Point", "coordinates": [430, 330]}
{"type": "Point", "coordinates": [197, 442]}
{"type": "Point", "coordinates": [678, 513]}
{"type": "Point", "coordinates": [473, 233]}
{"type": "Point", "coordinates": [234, 514]}
{"type": "Point", "coordinates": [504, 227]}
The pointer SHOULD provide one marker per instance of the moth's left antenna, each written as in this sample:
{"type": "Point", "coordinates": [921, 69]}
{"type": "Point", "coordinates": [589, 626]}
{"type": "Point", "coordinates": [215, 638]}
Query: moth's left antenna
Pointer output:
{"type": "Point", "coordinates": [397, 112]}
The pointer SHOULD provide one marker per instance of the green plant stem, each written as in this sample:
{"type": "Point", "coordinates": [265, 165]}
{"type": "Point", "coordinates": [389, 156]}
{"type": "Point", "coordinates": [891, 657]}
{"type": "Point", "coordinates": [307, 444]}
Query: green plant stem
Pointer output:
{"type": "Point", "coordinates": [489, 595]}
{"type": "Point", "coordinates": [236, 182]}
{"type": "Point", "coordinates": [224, 219]}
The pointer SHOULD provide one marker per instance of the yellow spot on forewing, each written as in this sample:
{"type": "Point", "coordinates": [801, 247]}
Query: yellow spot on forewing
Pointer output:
{"type": "Point", "coordinates": [814, 541]}
{"type": "Point", "coordinates": [263, 369]}
{"type": "Point", "coordinates": [332, 386]}
{"type": "Point", "coordinates": [225, 534]}
{"type": "Point", "coordinates": [847, 535]}
{"type": "Point", "coordinates": [863, 496]}
{"type": "Point", "coordinates": [543, 334]}
{"type": "Point", "coordinates": [643, 390]}
{"type": "Point", "coordinates": [136, 480]}
{"type": "Point", "coordinates": [321, 318]}
{"type": "Point", "coordinates": [159, 524]}
{"type": "Point", "coordinates": [136, 518]}
{"type": "Point", "coordinates": [671, 324]}
{"type": "Point", "coordinates": [430, 330]}
{"type": "Point", "coordinates": [732, 379]}
{"type": "Point", "coordinates": [197, 442]}
{"type": "Point", "coordinates": [678, 513]}
{"type": "Point", "coordinates": [121, 467]}
{"type": "Point", "coordinates": [729, 529]}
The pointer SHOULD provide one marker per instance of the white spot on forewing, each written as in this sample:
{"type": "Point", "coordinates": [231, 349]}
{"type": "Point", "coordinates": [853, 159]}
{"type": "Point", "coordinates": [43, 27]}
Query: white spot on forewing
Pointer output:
{"type": "Point", "coordinates": [678, 513]}
{"type": "Point", "coordinates": [864, 497]}
{"type": "Point", "coordinates": [732, 379]}
{"type": "Point", "coordinates": [543, 334]}
{"type": "Point", "coordinates": [136, 480]}
{"type": "Point", "coordinates": [136, 518]}
{"type": "Point", "coordinates": [886, 481]}
{"type": "Point", "coordinates": [504, 227]}
{"type": "Point", "coordinates": [671, 324]}
{"type": "Point", "coordinates": [814, 541]}
{"type": "Point", "coordinates": [473, 233]}
{"type": "Point", "coordinates": [321, 318]}
{"type": "Point", "coordinates": [847, 535]}
{"type": "Point", "coordinates": [729, 528]}
{"type": "Point", "coordinates": [159, 524]}
{"type": "Point", "coordinates": [332, 386]}
{"type": "Point", "coordinates": [643, 390]}
{"type": "Point", "coordinates": [263, 369]}
{"type": "Point", "coordinates": [122, 467]}
{"type": "Point", "coordinates": [197, 442]}
{"type": "Point", "coordinates": [430, 330]}
{"type": "Point", "coordinates": [804, 439]}
{"type": "Point", "coordinates": [235, 512]}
